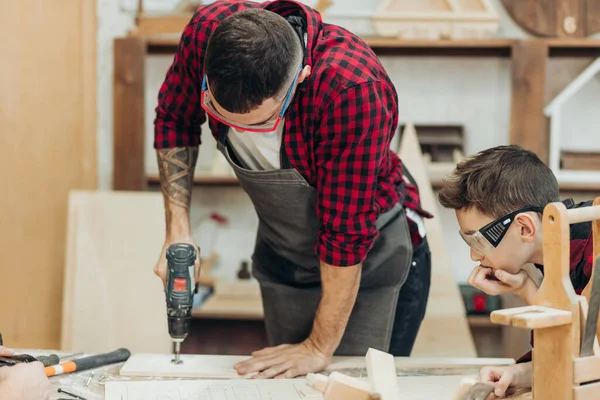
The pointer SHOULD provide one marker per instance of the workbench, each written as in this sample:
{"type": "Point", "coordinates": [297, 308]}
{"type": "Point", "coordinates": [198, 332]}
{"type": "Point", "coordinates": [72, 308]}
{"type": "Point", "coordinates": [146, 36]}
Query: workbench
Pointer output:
{"type": "Point", "coordinates": [353, 366]}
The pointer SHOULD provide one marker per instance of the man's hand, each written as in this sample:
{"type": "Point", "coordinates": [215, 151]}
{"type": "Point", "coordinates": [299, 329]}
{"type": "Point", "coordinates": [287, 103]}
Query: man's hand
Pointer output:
{"type": "Point", "coordinates": [24, 382]}
{"type": "Point", "coordinates": [285, 362]}
{"type": "Point", "coordinates": [496, 282]}
{"type": "Point", "coordinates": [507, 380]}
{"type": "Point", "coordinates": [6, 352]}
{"type": "Point", "coordinates": [160, 269]}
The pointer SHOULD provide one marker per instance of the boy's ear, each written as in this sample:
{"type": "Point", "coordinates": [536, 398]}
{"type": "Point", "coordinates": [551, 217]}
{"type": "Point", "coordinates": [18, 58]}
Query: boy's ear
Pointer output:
{"type": "Point", "coordinates": [527, 226]}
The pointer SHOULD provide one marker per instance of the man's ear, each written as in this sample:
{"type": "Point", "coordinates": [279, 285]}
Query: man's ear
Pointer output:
{"type": "Point", "coordinates": [305, 73]}
{"type": "Point", "coordinates": [527, 226]}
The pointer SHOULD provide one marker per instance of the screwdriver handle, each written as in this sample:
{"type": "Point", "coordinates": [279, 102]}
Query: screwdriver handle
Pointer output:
{"type": "Point", "coordinates": [82, 364]}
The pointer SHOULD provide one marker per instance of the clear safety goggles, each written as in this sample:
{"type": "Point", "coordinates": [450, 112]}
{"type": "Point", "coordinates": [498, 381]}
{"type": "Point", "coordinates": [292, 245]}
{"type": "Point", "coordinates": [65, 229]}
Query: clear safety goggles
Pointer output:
{"type": "Point", "coordinates": [489, 237]}
{"type": "Point", "coordinates": [268, 126]}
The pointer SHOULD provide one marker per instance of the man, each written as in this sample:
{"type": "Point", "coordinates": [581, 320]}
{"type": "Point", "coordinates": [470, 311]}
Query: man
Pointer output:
{"type": "Point", "coordinates": [23, 381]}
{"type": "Point", "coordinates": [304, 113]}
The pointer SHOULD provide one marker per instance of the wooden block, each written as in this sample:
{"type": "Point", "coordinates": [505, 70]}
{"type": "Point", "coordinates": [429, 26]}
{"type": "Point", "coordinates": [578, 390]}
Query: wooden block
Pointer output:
{"type": "Point", "coordinates": [586, 369]}
{"type": "Point", "coordinates": [382, 374]}
{"type": "Point", "coordinates": [587, 392]}
{"type": "Point", "coordinates": [532, 317]}
{"type": "Point", "coordinates": [317, 382]}
{"type": "Point", "coordinates": [343, 387]}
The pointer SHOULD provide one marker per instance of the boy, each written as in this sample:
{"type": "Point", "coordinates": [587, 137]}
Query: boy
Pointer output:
{"type": "Point", "coordinates": [499, 196]}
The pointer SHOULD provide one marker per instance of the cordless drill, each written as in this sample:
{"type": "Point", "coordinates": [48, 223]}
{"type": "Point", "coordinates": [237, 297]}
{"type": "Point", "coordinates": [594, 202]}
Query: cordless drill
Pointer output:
{"type": "Point", "coordinates": [179, 291]}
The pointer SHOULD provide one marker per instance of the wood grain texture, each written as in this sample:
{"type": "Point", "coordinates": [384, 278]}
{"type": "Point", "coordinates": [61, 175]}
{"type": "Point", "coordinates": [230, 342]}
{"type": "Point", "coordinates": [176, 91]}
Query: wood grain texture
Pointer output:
{"type": "Point", "coordinates": [527, 128]}
{"type": "Point", "coordinates": [556, 347]}
{"type": "Point", "coordinates": [128, 114]}
{"type": "Point", "coordinates": [593, 16]}
{"type": "Point", "coordinates": [536, 17]}
{"type": "Point", "coordinates": [48, 133]}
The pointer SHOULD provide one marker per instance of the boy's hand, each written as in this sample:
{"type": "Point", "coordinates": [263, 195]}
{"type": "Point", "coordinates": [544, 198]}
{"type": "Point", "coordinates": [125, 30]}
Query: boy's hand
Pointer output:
{"type": "Point", "coordinates": [507, 380]}
{"type": "Point", "coordinates": [496, 282]}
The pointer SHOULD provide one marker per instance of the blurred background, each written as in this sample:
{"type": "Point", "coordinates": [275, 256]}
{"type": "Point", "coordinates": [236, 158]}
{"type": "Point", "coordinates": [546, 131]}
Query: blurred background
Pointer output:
{"type": "Point", "coordinates": [83, 220]}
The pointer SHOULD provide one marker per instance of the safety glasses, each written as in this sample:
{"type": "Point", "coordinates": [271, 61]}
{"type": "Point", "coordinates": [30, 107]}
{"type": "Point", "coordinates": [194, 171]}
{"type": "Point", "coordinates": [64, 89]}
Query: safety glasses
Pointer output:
{"type": "Point", "coordinates": [489, 237]}
{"type": "Point", "coordinates": [268, 126]}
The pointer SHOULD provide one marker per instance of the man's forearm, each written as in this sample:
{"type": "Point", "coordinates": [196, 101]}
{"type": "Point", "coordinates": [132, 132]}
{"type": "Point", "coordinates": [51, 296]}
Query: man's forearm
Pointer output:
{"type": "Point", "coordinates": [339, 290]}
{"type": "Point", "coordinates": [176, 167]}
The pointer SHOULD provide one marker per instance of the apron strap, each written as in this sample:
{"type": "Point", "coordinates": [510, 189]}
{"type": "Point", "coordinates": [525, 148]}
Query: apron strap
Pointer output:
{"type": "Point", "coordinates": [283, 157]}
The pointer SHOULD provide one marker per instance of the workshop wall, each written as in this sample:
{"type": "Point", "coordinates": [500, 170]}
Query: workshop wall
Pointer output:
{"type": "Point", "coordinates": [472, 92]}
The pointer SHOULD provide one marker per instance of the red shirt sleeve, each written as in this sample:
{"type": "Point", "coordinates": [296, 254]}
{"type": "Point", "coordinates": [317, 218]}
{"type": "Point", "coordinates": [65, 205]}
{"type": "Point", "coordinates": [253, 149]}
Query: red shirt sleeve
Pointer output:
{"type": "Point", "coordinates": [179, 114]}
{"type": "Point", "coordinates": [352, 139]}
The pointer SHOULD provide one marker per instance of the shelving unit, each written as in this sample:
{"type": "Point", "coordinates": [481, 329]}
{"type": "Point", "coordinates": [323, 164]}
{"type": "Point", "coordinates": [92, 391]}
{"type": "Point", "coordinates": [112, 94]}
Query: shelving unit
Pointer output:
{"type": "Point", "coordinates": [528, 59]}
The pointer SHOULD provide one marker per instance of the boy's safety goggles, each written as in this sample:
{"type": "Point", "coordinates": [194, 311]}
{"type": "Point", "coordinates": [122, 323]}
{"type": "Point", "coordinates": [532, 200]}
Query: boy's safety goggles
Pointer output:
{"type": "Point", "coordinates": [487, 238]}
{"type": "Point", "coordinates": [267, 126]}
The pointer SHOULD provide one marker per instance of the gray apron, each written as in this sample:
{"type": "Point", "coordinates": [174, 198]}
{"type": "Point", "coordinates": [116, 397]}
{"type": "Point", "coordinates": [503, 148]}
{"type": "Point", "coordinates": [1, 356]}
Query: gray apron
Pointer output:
{"type": "Point", "coordinates": [287, 268]}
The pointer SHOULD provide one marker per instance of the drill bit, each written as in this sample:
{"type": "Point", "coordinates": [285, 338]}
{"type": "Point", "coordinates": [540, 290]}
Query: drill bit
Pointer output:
{"type": "Point", "coordinates": [177, 359]}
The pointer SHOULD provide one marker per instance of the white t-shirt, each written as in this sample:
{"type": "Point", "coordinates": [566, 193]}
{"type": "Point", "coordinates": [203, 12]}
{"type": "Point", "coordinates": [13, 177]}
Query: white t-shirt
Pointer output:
{"type": "Point", "coordinates": [257, 151]}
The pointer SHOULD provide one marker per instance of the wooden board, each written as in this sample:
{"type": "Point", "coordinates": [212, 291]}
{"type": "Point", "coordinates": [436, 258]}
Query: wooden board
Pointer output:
{"type": "Point", "coordinates": [527, 124]}
{"type": "Point", "coordinates": [48, 133]}
{"type": "Point", "coordinates": [112, 298]}
{"type": "Point", "coordinates": [413, 388]}
{"type": "Point", "coordinates": [221, 367]}
{"type": "Point", "coordinates": [444, 331]}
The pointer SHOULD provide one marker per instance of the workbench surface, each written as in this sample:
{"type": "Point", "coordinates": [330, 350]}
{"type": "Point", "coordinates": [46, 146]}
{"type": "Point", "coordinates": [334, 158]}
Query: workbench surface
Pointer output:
{"type": "Point", "coordinates": [77, 383]}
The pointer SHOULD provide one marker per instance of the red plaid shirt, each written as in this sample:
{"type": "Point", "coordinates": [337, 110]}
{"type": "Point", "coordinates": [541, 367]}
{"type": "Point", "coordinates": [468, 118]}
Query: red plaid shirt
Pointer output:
{"type": "Point", "coordinates": [337, 130]}
{"type": "Point", "coordinates": [581, 260]}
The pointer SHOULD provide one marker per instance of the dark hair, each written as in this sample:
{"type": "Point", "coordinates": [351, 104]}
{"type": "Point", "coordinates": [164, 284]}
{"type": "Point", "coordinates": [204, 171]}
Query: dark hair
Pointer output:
{"type": "Point", "coordinates": [498, 181]}
{"type": "Point", "coordinates": [251, 56]}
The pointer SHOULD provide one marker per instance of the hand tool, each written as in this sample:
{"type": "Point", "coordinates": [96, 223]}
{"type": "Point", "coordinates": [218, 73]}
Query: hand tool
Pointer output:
{"type": "Point", "coordinates": [179, 293]}
{"type": "Point", "coordinates": [479, 391]}
{"type": "Point", "coordinates": [82, 364]}
{"type": "Point", "coordinates": [591, 325]}
{"type": "Point", "coordinates": [47, 361]}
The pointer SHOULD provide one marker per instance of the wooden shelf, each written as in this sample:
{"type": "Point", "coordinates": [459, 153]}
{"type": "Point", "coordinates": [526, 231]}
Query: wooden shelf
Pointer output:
{"type": "Point", "coordinates": [167, 43]}
{"type": "Point", "coordinates": [203, 180]}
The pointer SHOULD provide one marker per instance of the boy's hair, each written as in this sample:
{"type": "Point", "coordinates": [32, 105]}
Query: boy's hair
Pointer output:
{"type": "Point", "coordinates": [498, 181]}
{"type": "Point", "coordinates": [251, 56]}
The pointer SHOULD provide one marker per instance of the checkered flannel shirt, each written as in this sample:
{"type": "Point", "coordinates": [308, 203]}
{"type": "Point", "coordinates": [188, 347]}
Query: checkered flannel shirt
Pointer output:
{"type": "Point", "coordinates": [337, 130]}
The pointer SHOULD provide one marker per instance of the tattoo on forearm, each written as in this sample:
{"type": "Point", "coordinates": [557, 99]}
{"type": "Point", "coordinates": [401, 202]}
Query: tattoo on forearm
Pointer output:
{"type": "Point", "coordinates": [176, 167]}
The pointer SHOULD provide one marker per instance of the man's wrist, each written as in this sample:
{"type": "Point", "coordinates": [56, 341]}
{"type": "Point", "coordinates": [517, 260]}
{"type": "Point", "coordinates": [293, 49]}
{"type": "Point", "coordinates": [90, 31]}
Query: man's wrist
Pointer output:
{"type": "Point", "coordinates": [323, 345]}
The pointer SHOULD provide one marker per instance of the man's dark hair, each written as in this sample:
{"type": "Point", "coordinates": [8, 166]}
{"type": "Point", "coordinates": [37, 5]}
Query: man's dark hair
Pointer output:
{"type": "Point", "coordinates": [252, 56]}
{"type": "Point", "coordinates": [498, 181]}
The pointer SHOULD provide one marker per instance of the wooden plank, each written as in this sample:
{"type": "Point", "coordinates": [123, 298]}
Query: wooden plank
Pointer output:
{"type": "Point", "coordinates": [555, 348]}
{"type": "Point", "coordinates": [528, 78]}
{"type": "Point", "coordinates": [113, 241]}
{"type": "Point", "coordinates": [586, 369]}
{"type": "Point", "coordinates": [128, 114]}
{"type": "Point", "coordinates": [47, 132]}
{"type": "Point", "coordinates": [580, 161]}
{"type": "Point", "coordinates": [382, 374]}
{"type": "Point", "coordinates": [444, 330]}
